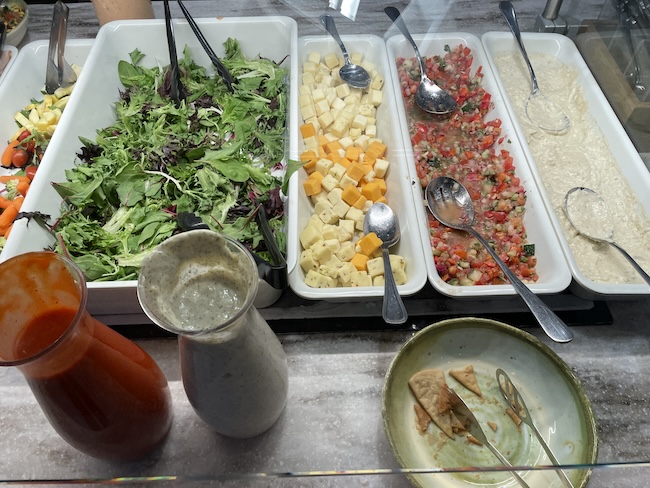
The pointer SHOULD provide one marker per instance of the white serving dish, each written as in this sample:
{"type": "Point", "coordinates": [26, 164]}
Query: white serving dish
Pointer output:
{"type": "Point", "coordinates": [24, 80]}
{"type": "Point", "coordinates": [15, 35]}
{"type": "Point", "coordinates": [92, 109]}
{"type": "Point", "coordinates": [629, 162]}
{"type": "Point", "coordinates": [554, 275]}
{"type": "Point", "coordinates": [397, 180]}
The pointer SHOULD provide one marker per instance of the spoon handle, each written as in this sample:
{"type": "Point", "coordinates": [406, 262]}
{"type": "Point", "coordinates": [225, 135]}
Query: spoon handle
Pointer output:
{"type": "Point", "coordinates": [633, 262]}
{"type": "Point", "coordinates": [330, 27]}
{"type": "Point", "coordinates": [393, 310]}
{"type": "Point", "coordinates": [509, 14]}
{"type": "Point", "coordinates": [553, 325]}
{"type": "Point", "coordinates": [396, 17]}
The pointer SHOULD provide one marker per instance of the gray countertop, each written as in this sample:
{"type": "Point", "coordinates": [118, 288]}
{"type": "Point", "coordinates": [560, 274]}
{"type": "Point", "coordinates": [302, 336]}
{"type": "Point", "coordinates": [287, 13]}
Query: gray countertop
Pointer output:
{"type": "Point", "coordinates": [333, 416]}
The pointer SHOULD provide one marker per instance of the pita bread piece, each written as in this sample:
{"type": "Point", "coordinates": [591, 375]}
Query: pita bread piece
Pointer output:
{"type": "Point", "coordinates": [466, 378]}
{"type": "Point", "coordinates": [430, 390]}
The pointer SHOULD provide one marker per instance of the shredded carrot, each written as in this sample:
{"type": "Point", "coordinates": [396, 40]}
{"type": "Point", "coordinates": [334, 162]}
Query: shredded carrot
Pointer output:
{"type": "Point", "coordinates": [17, 202]}
{"type": "Point", "coordinates": [7, 217]}
{"type": "Point", "coordinates": [5, 202]}
{"type": "Point", "coordinates": [22, 187]}
{"type": "Point", "coordinates": [8, 152]}
{"type": "Point", "coordinates": [8, 230]}
{"type": "Point", "coordinates": [7, 178]}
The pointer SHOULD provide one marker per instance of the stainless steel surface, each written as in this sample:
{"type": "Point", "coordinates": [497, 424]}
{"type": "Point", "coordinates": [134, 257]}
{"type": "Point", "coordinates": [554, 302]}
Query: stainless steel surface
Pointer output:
{"type": "Point", "coordinates": [429, 96]}
{"type": "Point", "coordinates": [450, 203]}
{"type": "Point", "coordinates": [459, 406]}
{"type": "Point", "coordinates": [515, 400]}
{"type": "Point", "coordinates": [58, 73]}
{"type": "Point", "coordinates": [176, 84]}
{"type": "Point", "coordinates": [381, 220]}
{"type": "Point", "coordinates": [552, 9]}
{"type": "Point", "coordinates": [353, 74]}
{"type": "Point", "coordinates": [541, 110]}
{"type": "Point", "coordinates": [597, 213]}
{"type": "Point", "coordinates": [216, 62]}
{"type": "Point", "coordinates": [626, 17]}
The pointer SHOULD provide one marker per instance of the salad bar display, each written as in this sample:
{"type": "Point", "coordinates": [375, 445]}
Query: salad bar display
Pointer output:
{"type": "Point", "coordinates": [288, 155]}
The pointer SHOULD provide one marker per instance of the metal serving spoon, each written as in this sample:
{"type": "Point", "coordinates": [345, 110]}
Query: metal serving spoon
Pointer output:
{"type": "Point", "coordinates": [459, 407]}
{"type": "Point", "coordinates": [381, 220]}
{"type": "Point", "coordinates": [588, 213]}
{"type": "Point", "coordinates": [450, 203]}
{"type": "Point", "coordinates": [429, 96]}
{"type": "Point", "coordinates": [353, 74]}
{"type": "Point", "coordinates": [541, 111]}
{"type": "Point", "coordinates": [516, 402]}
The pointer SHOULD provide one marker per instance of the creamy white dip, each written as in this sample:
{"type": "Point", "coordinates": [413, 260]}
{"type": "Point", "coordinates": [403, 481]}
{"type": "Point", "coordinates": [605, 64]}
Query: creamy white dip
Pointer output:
{"type": "Point", "coordinates": [579, 157]}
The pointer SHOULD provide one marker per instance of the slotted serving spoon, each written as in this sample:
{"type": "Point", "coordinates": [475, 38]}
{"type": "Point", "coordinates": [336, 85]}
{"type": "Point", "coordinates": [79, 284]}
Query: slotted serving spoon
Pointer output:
{"type": "Point", "coordinates": [516, 402]}
{"type": "Point", "coordinates": [540, 109]}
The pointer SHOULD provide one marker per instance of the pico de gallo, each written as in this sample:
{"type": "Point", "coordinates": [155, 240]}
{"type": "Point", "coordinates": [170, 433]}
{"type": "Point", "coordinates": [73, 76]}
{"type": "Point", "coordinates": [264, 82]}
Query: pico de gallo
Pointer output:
{"type": "Point", "coordinates": [463, 146]}
{"type": "Point", "coordinates": [12, 15]}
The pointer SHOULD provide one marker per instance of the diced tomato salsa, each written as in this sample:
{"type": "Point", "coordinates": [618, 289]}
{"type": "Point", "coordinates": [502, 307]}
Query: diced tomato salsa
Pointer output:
{"type": "Point", "coordinates": [463, 146]}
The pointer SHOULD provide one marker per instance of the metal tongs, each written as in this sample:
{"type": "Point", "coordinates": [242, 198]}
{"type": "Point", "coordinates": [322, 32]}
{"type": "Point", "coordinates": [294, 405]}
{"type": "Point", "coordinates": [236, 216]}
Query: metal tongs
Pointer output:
{"type": "Point", "coordinates": [216, 62]}
{"type": "Point", "coordinates": [516, 402]}
{"type": "Point", "coordinates": [459, 407]}
{"type": "Point", "coordinates": [59, 73]}
{"type": "Point", "coordinates": [176, 84]}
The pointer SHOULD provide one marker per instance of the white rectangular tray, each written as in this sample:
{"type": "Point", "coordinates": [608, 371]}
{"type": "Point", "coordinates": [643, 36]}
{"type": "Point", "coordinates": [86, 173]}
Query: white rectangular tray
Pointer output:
{"type": "Point", "coordinates": [92, 109]}
{"type": "Point", "coordinates": [397, 181]}
{"type": "Point", "coordinates": [554, 275]}
{"type": "Point", "coordinates": [629, 162]}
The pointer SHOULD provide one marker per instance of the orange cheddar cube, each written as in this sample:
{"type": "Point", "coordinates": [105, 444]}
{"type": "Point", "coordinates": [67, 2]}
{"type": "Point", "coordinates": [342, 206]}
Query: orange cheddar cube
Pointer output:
{"type": "Point", "coordinates": [322, 140]}
{"type": "Point", "coordinates": [367, 168]}
{"type": "Point", "coordinates": [369, 243]}
{"type": "Point", "coordinates": [355, 171]}
{"type": "Point", "coordinates": [376, 150]}
{"type": "Point", "coordinates": [312, 186]}
{"type": "Point", "coordinates": [307, 130]}
{"type": "Point", "coordinates": [382, 185]}
{"type": "Point", "coordinates": [316, 175]}
{"type": "Point", "coordinates": [360, 202]}
{"type": "Point", "coordinates": [308, 155]}
{"type": "Point", "coordinates": [333, 146]}
{"type": "Point", "coordinates": [382, 199]}
{"type": "Point", "coordinates": [353, 153]}
{"type": "Point", "coordinates": [310, 166]}
{"type": "Point", "coordinates": [360, 262]}
{"type": "Point", "coordinates": [334, 156]}
{"type": "Point", "coordinates": [345, 162]}
{"type": "Point", "coordinates": [321, 152]}
{"type": "Point", "coordinates": [371, 190]}
{"type": "Point", "coordinates": [350, 195]}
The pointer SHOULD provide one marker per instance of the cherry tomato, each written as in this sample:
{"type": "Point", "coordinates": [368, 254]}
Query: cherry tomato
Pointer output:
{"type": "Point", "coordinates": [19, 158]}
{"type": "Point", "coordinates": [30, 171]}
{"type": "Point", "coordinates": [24, 135]}
{"type": "Point", "coordinates": [29, 145]}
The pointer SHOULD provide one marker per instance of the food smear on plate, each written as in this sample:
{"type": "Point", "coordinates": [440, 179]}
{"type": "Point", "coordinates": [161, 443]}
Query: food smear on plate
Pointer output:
{"type": "Point", "coordinates": [466, 146]}
{"type": "Point", "coordinates": [347, 163]}
{"type": "Point", "coordinates": [216, 155]}
{"type": "Point", "coordinates": [580, 156]}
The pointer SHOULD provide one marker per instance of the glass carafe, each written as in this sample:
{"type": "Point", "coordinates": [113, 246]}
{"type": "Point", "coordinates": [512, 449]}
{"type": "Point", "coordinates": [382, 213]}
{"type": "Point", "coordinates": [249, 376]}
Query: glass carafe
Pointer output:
{"type": "Point", "coordinates": [201, 285]}
{"type": "Point", "coordinates": [101, 392]}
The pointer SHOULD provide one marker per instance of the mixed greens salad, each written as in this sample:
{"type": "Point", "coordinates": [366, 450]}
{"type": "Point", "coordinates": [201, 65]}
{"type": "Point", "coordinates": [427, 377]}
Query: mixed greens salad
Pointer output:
{"type": "Point", "coordinates": [215, 155]}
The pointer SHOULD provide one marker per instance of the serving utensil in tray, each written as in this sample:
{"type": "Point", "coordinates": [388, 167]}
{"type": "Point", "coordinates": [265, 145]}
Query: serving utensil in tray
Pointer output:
{"type": "Point", "coordinates": [176, 84]}
{"type": "Point", "coordinates": [516, 402]}
{"type": "Point", "coordinates": [460, 408]}
{"type": "Point", "coordinates": [216, 62]}
{"type": "Point", "coordinates": [59, 73]}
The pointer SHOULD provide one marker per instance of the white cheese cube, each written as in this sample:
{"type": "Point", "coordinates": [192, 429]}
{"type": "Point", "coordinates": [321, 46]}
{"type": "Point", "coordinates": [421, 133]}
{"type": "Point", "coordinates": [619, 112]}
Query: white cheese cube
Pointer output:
{"type": "Point", "coordinates": [309, 66]}
{"type": "Point", "coordinates": [342, 234]}
{"type": "Point", "coordinates": [346, 252]}
{"type": "Point", "coordinates": [304, 90]}
{"type": "Point", "coordinates": [316, 222]}
{"type": "Point", "coordinates": [334, 245]}
{"type": "Point", "coordinates": [331, 60]}
{"type": "Point", "coordinates": [334, 196]}
{"type": "Point", "coordinates": [308, 111]}
{"type": "Point", "coordinates": [354, 214]}
{"type": "Point", "coordinates": [313, 57]}
{"type": "Point", "coordinates": [356, 58]}
{"type": "Point", "coordinates": [347, 181]}
{"type": "Point", "coordinates": [375, 267]}
{"type": "Point", "coordinates": [347, 225]}
{"type": "Point", "coordinates": [400, 276]}
{"type": "Point", "coordinates": [309, 236]}
{"type": "Point", "coordinates": [377, 82]}
{"type": "Point", "coordinates": [360, 278]}
{"type": "Point", "coordinates": [362, 141]}
{"type": "Point", "coordinates": [322, 195]}
{"type": "Point", "coordinates": [376, 97]}
{"type": "Point", "coordinates": [337, 171]}
{"type": "Point", "coordinates": [354, 133]}
{"type": "Point", "coordinates": [366, 110]}
{"type": "Point", "coordinates": [397, 262]}
{"type": "Point", "coordinates": [315, 279]}
{"type": "Point", "coordinates": [304, 100]}
{"type": "Point", "coordinates": [329, 182]}
{"type": "Point", "coordinates": [345, 272]}
{"type": "Point", "coordinates": [322, 205]}
{"type": "Point", "coordinates": [339, 127]}
{"type": "Point", "coordinates": [318, 95]}
{"type": "Point", "coordinates": [323, 166]}
{"type": "Point", "coordinates": [342, 90]}
{"type": "Point", "coordinates": [378, 280]}
{"type": "Point", "coordinates": [325, 119]}
{"type": "Point", "coordinates": [308, 78]}
{"type": "Point", "coordinates": [328, 216]}
{"type": "Point", "coordinates": [380, 167]}
{"type": "Point", "coordinates": [329, 232]}
{"type": "Point", "coordinates": [341, 208]}
{"type": "Point", "coordinates": [308, 261]}
{"type": "Point", "coordinates": [320, 251]}
{"type": "Point", "coordinates": [371, 129]}
{"type": "Point", "coordinates": [346, 142]}
{"type": "Point", "coordinates": [321, 107]}
{"type": "Point", "coordinates": [338, 104]}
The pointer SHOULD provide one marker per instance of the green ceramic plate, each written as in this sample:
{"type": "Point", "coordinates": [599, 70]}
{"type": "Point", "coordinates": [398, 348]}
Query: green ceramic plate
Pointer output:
{"type": "Point", "coordinates": [556, 401]}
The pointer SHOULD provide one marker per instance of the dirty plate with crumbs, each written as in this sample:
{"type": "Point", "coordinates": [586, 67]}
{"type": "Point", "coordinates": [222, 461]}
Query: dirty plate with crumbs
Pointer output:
{"type": "Point", "coordinates": [555, 398]}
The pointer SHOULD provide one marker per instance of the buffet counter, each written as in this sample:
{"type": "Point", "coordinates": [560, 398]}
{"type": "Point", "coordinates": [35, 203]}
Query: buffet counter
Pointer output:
{"type": "Point", "coordinates": [331, 432]}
